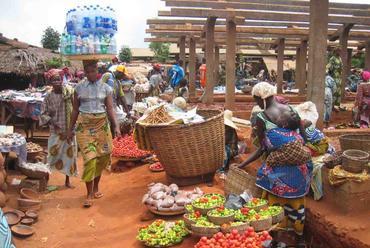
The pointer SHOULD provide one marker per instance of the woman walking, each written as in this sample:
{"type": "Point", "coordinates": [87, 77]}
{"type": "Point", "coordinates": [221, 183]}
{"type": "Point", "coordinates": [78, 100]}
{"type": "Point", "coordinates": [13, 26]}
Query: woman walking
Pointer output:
{"type": "Point", "coordinates": [92, 106]}
{"type": "Point", "coordinates": [285, 174]}
{"type": "Point", "coordinates": [56, 112]}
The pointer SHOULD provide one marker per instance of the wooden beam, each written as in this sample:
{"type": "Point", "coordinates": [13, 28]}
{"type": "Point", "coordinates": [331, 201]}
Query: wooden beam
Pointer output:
{"type": "Point", "coordinates": [230, 64]}
{"type": "Point", "coordinates": [208, 94]}
{"type": "Point", "coordinates": [343, 29]}
{"type": "Point", "coordinates": [182, 55]}
{"type": "Point", "coordinates": [367, 56]}
{"type": "Point", "coordinates": [298, 70]}
{"type": "Point", "coordinates": [280, 66]}
{"type": "Point", "coordinates": [303, 62]}
{"type": "Point", "coordinates": [343, 41]}
{"type": "Point", "coordinates": [317, 55]}
{"type": "Point", "coordinates": [260, 6]}
{"type": "Point", "coordinates": [192, 66]}
{"type": "Point", "coordinates": [247, 23]}
{"type": "Point", "coordinates": [217, 63]}
{"type": "Point", "coordinates": [304, 3]}
{"type": "Point", "coordinates": [258, 15]}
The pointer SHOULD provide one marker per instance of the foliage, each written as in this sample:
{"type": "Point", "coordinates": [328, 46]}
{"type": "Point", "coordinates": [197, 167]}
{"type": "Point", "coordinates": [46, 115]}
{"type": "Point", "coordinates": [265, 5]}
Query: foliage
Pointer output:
{"type": "Point", "coordinates": [161, 51]}
{"type": "Point", "coordinates": [57, 62]}
{"type": "Point", "coordinates": [50, 39]}
{"type": "Point", "coordinates": [358, 60]}
{"type": "Point", "coordinates": [125, 54]}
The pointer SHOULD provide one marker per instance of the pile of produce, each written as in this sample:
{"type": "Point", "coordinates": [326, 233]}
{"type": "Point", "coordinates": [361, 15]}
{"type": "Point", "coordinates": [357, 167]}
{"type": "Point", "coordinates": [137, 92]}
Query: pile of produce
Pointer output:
{"type": "Point", "coordinates": [33, 147]}
{"type": "Point", "coordinates": [126, 147]}
{"type": "Point", "coordinates": [247, 239]}
{"type": "Point", "coordinates": [221, 212]}
{"type": "Point", "coordinates": [158, 115]}
{"type": "Point", "coordinates": [14, 139]}
{"type": "Point", "coordinates": [165, 198]}
{"type": "Point", "coordinates": [162, 234]}
{"type": "Point", "coordinates": [256, 203]}
{"type": "Point", "coordinates": [156, 167]}
{"type": "Point", "coordinates": [208, 202]}
{"type": "Point", "coordinates": [142, 88]}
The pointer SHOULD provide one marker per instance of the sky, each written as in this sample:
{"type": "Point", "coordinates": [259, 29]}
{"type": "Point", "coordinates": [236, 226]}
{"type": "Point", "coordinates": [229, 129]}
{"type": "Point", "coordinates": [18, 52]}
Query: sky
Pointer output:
{"type": "Point", "coordinates": [27, 19]}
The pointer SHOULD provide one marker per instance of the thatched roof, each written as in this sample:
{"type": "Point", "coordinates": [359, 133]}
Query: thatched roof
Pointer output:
{"type": "Point", "coordinates": [21, 58]}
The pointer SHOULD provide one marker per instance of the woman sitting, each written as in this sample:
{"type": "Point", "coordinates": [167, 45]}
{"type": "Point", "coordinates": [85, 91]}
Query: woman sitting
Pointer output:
{"type": "Point", "coordinates": [362, 102]}
{"type": "Point", "coordinates": [285, 175]}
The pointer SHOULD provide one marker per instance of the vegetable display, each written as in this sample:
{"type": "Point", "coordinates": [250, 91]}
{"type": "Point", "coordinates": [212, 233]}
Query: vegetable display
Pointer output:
{"type": "Point", "coordinates": [272, 210]}
{"type": "Point", "coordinates": [209, 201]}
{"type": "Point", "coordinates": [165, 198]}
{"type": "Point", "coordinates": [256, 202]}
{"type": "Point", "coordinates": [204, 223]}
{"type": "Point", "coordinates": [196, 217]}
{"type": "Point", "coordinates": [221, 212]}
{"type": "Point", "coordinates": [247, 239]}
{"type": "Point", "coordinates": [126, 147]}
{"type": "Point", "coordinates": [245, 214]}
{"type": "Point", "coordinates": [162, 234]}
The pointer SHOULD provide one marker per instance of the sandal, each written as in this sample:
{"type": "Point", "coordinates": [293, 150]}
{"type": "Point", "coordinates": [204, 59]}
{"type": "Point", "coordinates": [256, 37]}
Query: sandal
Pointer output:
{"type": "Point", "coordinates": [98, 195]}
{"type": "Point", "coordinates": [88, 203]}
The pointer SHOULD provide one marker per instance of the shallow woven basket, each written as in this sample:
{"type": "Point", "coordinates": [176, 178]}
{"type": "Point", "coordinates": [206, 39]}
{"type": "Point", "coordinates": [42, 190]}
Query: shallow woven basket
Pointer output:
{"type": "Point", "coordinates": [188, 222]}
{"type": "Point", "coordinates": [355, 141]}
{"type": "Point", "coordinates": [204, 231]}
{"type": "Point", "coordinates": [219, 220]}
{"type": "Point", "coordinates": [31, 156]}
{"type": "Point", "coordinates": [203, 211]}
{"type": "Point", "coordinates": [258, 208]}
{"type": "Point", "coordinates": [354, 161]}
{"type": "Point", "coordinates": [239, 228]}
{"type": "Point", "coordinates": [278, 217]}
{"type": "Point", "coordinates": [261, 225]}
{"type": "Point", "coordinates": [190, 150]}
{"type": "Point", "coordinates": [238, 180]}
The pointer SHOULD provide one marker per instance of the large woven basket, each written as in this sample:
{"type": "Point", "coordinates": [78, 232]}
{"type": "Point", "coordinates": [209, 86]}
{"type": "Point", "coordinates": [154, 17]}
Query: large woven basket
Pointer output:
{"type": "Point", "coordinates": [278, 217]}
{"type": "Point", "coordinates": [238, 180]}
{"type": "Point", "coordinates": [219, 220]}
{"type": "Point", "coordinates": [204, 231]}
{"type": "Point", "coordinates": [261, 225]}
{"type": "Point", "coordinates": [354, 161]}
{"type": "Point", "coordinates": [190, 150]}
{"type": "Point", "coordinates": [240, 228]}
{"type": "Point", "coordinates": [355, 141]}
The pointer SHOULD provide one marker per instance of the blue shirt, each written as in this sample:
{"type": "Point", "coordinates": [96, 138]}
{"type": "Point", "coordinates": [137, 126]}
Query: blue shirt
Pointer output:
{"type": "Point", "coordinates": [176, 74]}
{"type": "Point", "coordinates": [92, 96]}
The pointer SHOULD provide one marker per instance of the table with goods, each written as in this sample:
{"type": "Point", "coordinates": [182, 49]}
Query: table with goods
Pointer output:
{"type": "Point", "coordinates": [207, 218]}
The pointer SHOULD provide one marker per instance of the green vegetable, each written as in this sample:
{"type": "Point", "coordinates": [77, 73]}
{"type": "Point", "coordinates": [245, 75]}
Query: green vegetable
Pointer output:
{"type": "Point", "coordinates": [209, 201]}
{"type": "Point", "coordinates": [205, 223]}
{"type": "Point", "coordinates": [255, 202]}
{"type": "Point", "coordinates": [221, 212]}
{"type": "Point", "coordinates": [189, 208]}
{"type": "Point", "coordinates": [162, 233]}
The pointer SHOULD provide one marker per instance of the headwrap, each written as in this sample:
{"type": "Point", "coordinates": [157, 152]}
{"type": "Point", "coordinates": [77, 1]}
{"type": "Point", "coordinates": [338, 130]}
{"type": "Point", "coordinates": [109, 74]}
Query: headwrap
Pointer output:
{"type": "Point", "coordinates": [157, 67]}
{"type": "Point", "coordinates": [264, 90]}
{"type": "Point", "coordinates": [308, 111]}
{"type": "Point", "coordinates": [53, 74]}
{"type": "Point", "coordinates": [366, 76]}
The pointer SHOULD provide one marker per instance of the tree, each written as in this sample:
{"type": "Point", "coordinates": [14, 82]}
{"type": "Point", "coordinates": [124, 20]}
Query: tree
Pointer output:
{"type": "Point", "coordinates": [50, 39]}
{"type": "Point", "coordinates": [125, 54]}
{"type": "Point", "coordinates": [161, 51]}
{"type": "Point", "coordinates": [57, 62]}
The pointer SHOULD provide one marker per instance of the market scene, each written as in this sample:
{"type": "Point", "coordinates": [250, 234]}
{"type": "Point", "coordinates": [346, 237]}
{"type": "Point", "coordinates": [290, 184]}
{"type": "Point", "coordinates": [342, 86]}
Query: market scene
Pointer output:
{"type": "Point", "coordinates": [185, 123]}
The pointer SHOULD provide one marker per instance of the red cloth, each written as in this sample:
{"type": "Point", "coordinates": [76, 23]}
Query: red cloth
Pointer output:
{"type": "Point", "coordinates": [203, 72]}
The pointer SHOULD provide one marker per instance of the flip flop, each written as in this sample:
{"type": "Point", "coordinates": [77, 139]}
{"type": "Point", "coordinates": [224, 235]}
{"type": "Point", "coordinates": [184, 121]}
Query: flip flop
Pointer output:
{"type": "Point", "coordinates": [88, 203]}
{"type": "Point", "coordinates": [98, 195]}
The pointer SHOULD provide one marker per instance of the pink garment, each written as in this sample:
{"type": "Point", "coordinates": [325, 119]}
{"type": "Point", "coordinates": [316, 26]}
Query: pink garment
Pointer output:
{"type": "Point", "coordinates": [366, 76]}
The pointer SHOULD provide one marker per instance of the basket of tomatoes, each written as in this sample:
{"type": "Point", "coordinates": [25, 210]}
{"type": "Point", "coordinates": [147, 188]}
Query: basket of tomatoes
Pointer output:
{"type": "Point", "coordinates": [221, 215]}
{"type": "Point", "coordinates": [208, 202]}
{"type": "Point", "coordinates": [125, 149]}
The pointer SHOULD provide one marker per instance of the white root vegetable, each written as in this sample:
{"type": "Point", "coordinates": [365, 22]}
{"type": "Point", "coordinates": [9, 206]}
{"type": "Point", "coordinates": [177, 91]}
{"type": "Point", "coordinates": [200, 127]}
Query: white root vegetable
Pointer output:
{"type": "Point", "coordinates": [145, 198]}
{"type": "Point", "coordinates": [168, 201]}
{"type": "Point", "coordinates": [158, 195]}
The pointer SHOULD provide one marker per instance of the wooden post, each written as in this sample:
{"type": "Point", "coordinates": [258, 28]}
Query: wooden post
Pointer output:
{"type": "Point", "coordinates": [182, 52]}
{"type": "Point", "coordinates": [367, 56]}
{"type": "Point", "coordinates": [303, 63]}
{"type": "Point", "coordinates": [192, 65]}
{"type": "Point", "coordinates": [210, 65]}
{"type": "Point", "coordinates": [230, 64]}
{"type": "Point", "coordinates": [317, 55]}
{"type": "Point", "coordinates": [217, 63]}
{"type": "Point", "coordinates": [280, 66]}
{"type": "Point", "coordinates": [343, 41]}
{"type": "Point", "coordinates": [349, 62]}
{"type": "Point", "coordinates": [298, 70]}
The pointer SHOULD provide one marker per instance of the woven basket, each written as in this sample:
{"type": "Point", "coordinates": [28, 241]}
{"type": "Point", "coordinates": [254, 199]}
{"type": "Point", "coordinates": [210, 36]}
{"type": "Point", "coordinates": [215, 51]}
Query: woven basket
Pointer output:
{"type": "Point", "coordinates": [258, 208]}
{"type": "Point", "coordinates": [31, 156]}
{"type": "Point", "coordinates": [278, 217]}
{"type": "Point", "coordinates": [261, 225]}
{"type": "Point", "coordinates": [204, 231]}
{"type": "Point", "coordinates": [219, 220]}
{"type": "Point", "coordinates": [203, 211]}
{"type": "Point", "coordinates": [240, 228]}
{"type": "Point", "coordinates": [354, 161]}
{"type": "Point", "coordinates": [190, 150]}
{"type": "Point", "coordinates": [33, 174]}
{"type": "Point", "coordinates": [188, 222]}
{"type": "Point", "coordinates": [238, 180]}
{"type": "Point", "coordinates": [355, 141]}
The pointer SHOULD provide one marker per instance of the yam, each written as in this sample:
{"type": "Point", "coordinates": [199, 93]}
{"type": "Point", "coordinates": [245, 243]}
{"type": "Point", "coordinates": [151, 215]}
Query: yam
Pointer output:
{"type": "Point", "coordinates": [158, 195]}
{"type": "Point", "coordinates": [162, 209]}
{"type": "Point", "coordinates": [156, 188]}
{"type": "Point", "coordinates": [150, 201]}
{"type": "Point", "coordinates": [175, 207]}
{"type": "Point", "coordinates": [174, 187]}
{"type": "Point", "coordinates": [2, 199]}
{"type": "Point", "coordinates": [181, 200]}
{"type": "Point", "coordinates": [168, 201]}
{"type": "Point", "coordinates": [4, 187]}
{"type": "Point", "coordinates": [157, 204]}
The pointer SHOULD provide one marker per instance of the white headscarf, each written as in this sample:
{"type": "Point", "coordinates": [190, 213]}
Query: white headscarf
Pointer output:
{"type": "Point", "coordinates": [264, 90]}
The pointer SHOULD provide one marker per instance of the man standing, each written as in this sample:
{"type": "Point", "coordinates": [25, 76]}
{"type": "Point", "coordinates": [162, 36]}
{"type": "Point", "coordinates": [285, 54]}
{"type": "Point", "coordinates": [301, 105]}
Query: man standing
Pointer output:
{"type": "Point", "coordinates": [334, 69]}
{"type": "Point", "coordinates": [176, 74]}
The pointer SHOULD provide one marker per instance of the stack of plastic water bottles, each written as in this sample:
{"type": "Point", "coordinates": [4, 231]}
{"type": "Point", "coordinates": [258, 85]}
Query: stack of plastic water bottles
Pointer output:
{"type": "Point", "coordinates": [89, 30]}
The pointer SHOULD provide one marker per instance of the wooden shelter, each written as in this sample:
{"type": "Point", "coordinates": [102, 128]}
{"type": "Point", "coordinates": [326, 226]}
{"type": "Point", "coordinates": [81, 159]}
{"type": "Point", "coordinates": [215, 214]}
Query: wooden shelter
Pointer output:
{"type": "Point", "coordinates": [305, 26]}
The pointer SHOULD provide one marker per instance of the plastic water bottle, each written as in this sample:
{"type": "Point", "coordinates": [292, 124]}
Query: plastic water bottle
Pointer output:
{"type": "Point", "coordinates": [114, 21]}
{"type": "Point", "coordinates": [85, 21]}
{"type": "Point", "coordinates": [92, 13]}
{"type": "Point", "coordinates": [78, 22]}
{"type": "Point", "coordinates": [91, 42]}
{"type": "Point", "coordinates": [73, 44]}
{"type": "Point", "coordinates": [113, 45]}
{"type": "Point", "coordinates": [85, 44]}
{"type": "Point", "coordinates": [79, 44]}
{"type": "Point", "coordinates": [97, 43]}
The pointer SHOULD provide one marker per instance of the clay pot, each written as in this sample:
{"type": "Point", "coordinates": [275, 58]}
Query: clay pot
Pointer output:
{"type": "Point", "coordinates": [12, 218]}
{"type": "Point", "coordinates": [27, 204]}
{"type": "Point", "coordinates": [27, 221]}
{"type": "Point", "coordinates": [32, 214]}
{"type": "Point", "coordinates": [27, 193]}
{"type": "Point", "coordinates": [2, 199]}
{"type": "Point", "coordinates": [4, 187]}
{"type": "Point", "coordinates": [22, 230]}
